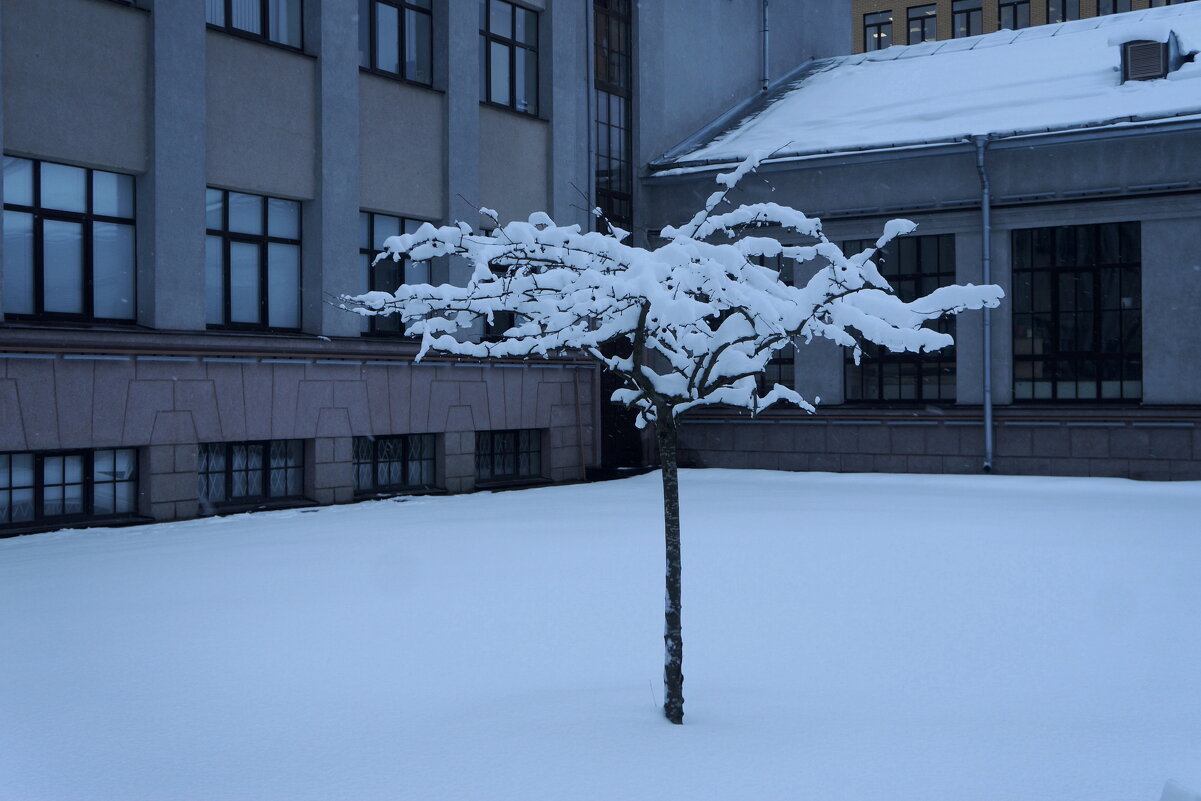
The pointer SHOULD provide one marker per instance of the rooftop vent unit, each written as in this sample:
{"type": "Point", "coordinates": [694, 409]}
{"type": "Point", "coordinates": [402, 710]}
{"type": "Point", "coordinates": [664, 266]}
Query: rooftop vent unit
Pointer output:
{"type": "Point", "coordinates": [1144, 61]}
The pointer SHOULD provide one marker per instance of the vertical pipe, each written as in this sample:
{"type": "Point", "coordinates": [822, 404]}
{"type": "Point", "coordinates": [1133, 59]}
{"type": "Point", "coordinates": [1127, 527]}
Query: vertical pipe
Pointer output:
{"type": "Point", "coordinates": [766, 51]}
{"type": "Point", "coordinates": [986, 278]}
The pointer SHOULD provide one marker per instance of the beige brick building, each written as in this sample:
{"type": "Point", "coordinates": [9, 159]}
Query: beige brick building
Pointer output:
{"type": "Point", "coordinates": [867, 16]}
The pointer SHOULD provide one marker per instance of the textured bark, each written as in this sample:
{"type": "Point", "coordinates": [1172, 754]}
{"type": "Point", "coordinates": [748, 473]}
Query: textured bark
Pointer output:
{"type": "Point", "coordinates": [673, 665]}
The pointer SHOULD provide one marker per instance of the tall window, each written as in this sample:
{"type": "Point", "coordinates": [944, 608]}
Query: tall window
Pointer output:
{"type": "Point", "coordinates": [68, 242]}
{"type": "Point", "coordinates": [914, 266]}
{"type": "Point", "coordinates": [1063, 10]}
{"type": "Point", "coordinates": [923, 24]}
{"type": "Point", "coordinates": [67, 486]}
{"type": "Point", "coordinates": [614, 164]}
{"type": "Point", "coordinates": [273, 20]}
{"type": "Point", "coordinates": [1113, 6]}
{"type": "Point", "coordinates": [251, 472]}
{"type": "Point", "coordinates": [508, 455]}
{"type": "Point", "coordinates": [877, 31]}
{"type": "Point", "coordinates": [396, 38]}
{"type": "Point", "coordinates": [1014, 14]}
{"type": "Point", "coordinates": [967, 18]}
{"type": "Point", "coordinates": [1077, 313]}
{"type": "Point", "coordinates": [386, 275]}
{"type": "Point", "coordinates": [252, 261]}
{"type": "Point", "coordinates": [509, 55]}
{"type": "Point", "coordinates": [394, 464]}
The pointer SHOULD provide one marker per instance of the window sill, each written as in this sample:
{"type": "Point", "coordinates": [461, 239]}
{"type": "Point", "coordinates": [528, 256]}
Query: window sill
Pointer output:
{"type": "Point", "coordinates": [44, 526]}
{"type": "Point", "coordinates": [394, 78]}
{"type": "Point", "coordinates": [500, 485]}
{"type": "Point", "coordinates": [223, 508]}
{"type": "Point", "coordinates": [399, 494]}
{"type": "Point", "coordinates": [36, 321]}
{"type": "Point", "coordinates": [246, 36]}
{"type": "Point", "coordinates": [518, 112]}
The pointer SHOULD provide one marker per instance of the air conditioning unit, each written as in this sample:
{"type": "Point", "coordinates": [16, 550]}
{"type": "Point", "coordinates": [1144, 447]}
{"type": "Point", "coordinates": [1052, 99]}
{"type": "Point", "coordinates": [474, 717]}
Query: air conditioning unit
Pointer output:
{"type": "Point", "coordinates": [1144, 61]}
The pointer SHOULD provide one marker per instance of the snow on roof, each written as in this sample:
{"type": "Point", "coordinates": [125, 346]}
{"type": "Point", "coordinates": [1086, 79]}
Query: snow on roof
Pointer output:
{"type": "Point", "coordinates": [1050, 77]}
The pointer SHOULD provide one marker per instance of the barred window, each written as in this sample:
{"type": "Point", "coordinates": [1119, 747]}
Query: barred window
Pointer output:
{"type": "Point", "coordinates": [1077, 313]}
{"type": "Point", "coordinates": [914, 266]}
{"type": "Point", "coordinates": [68, 242]}
{"type": "Point", "coordinates": [394, 463]}
{"type": "Point", "coordinates": [508, 455]}
{"type": "Point", "coordinates": [249, 472]}
{"type": "Point", "coordinates": [67, 486]}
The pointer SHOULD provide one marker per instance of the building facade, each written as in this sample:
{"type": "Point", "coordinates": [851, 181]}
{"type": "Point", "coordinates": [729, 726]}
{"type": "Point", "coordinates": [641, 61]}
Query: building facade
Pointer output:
{"type": "Point", "coordinates": [1093, 226]}
{"type": "Point", "coordinates": [882, 23]}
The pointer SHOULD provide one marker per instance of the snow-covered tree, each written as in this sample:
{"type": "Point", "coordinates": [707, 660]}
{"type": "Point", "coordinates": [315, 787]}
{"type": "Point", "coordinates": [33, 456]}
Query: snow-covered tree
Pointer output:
{"type": "Point", "coordinates": [694, 321]}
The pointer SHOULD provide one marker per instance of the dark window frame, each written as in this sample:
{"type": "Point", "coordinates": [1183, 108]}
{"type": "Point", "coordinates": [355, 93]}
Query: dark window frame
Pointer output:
{"type": "Point", "coordinates": [1062, 11]}
{"type": "Point", "coordinates": [263, 241]}
{"type": "Point", "coordinates": [874, 35]}
{"type": "Point", "coordinates": [931, 377]}
{"type": "Point", "coordinates": [87, 484]}
{"type": "Point", "coordinates": [971, 14]}
{"type": "Point", "coordinates": [263, 35]}
{"type": "Point", "coordinates": [387, 325]}
{"type": "Point", "coordinates": [1016, 12]}
{"type": "Point", "coordinates": [372, 54]}
{"type": "Point", "coordinates": [526, 441]}
{"type": "Point", "coordinates": [613, 98]}
{"type": "Point", "coordinates": [925, 22]}
{"type": "Point", "coordinates": [87, 220]}
{"type": "Point", "coordinates": [513, 45]}
{"type": "Point", "coordinates": [1107, 7]}
{"type": "Point", "coordinates": [407, 443]}
{"type": "Point", "coordinates": [228, 499]}
{"type": "Point", "coordinates": [1044, 320]}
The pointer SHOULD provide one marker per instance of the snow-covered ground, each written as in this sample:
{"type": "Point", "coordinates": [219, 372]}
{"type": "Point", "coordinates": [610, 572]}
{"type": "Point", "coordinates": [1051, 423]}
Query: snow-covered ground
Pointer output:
{"type": "Point", "coordinates": [846, 637]}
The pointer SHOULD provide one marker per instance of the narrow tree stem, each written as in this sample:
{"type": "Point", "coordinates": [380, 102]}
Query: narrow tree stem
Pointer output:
{"type": "Point", "coordinates": [673, 641]}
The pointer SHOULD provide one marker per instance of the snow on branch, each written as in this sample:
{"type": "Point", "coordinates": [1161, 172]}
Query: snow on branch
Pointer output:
{"type": "Point", "coordinates": [695, 320]}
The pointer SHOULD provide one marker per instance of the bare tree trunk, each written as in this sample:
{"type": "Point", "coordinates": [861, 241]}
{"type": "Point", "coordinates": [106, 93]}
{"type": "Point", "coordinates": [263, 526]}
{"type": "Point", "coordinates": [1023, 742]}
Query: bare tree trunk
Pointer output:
{"type": "Point", "coordinates": [673, 666]}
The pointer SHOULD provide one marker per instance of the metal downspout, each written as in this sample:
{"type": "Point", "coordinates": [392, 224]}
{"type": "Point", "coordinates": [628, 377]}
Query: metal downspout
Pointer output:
{"type": "Point", "coordinates": [766, 45]}
{"type": "Point", "coordinates": [986, 278]}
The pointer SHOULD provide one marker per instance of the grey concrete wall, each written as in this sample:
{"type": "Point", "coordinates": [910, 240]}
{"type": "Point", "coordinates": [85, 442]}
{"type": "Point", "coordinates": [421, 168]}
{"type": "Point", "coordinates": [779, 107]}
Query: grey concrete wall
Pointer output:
{"type": "Point", "coordinates": [566, 50]}
{"type": "Point", "coordinates": [1172, 299]}
{"type": "Point", "coordinates": [1112, 447]}
{"type": "Point", "coordinates": [262, 120]}
{"type": "Point", "coordinates": [87, 76]}
{"type": "Point", "coordinates": [402, 148]}
{"type": "Point", "coordinates": [170, 197]}
{"type": "Point", "coordinates": [514, 163]}
{"type": "Point", "coordinates": [169, 403]}
{"type": "Point", "coordinates": [462, 132]}
{"type": "Point", "coordinates": [3, 94]}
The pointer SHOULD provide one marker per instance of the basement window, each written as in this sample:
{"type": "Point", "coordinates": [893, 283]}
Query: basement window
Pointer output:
{"type": "Point", "coordinates": [1144, 61]}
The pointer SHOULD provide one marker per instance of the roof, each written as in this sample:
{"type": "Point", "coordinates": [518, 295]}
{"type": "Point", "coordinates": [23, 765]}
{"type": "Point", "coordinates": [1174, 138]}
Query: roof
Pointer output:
{"type": "Point", "coordinates": [1046, 78]}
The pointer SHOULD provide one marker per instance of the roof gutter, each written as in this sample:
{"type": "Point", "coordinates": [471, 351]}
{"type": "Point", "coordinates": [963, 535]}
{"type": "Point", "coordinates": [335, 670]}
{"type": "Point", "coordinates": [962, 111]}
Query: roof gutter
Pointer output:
{"type": "Point", "coordinates": [986, 278]}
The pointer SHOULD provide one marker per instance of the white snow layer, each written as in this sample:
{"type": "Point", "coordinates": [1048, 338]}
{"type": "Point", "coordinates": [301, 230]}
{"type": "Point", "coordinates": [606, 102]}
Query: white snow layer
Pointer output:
{"type": "Point", "coordinates": [911, 638]}
{"type": "Point", "coordinates": [1049, 77]}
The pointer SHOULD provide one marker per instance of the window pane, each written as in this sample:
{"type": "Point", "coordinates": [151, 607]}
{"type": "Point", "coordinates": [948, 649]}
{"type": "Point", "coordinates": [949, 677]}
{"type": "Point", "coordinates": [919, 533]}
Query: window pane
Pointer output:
{"type": "Point", "coordinates": [246, 16]}
{"type": "Point", "coordinates": [244, 283]}
{"type": "Point", "coordinates": [64, 187]}
{"type": "Point", "coordinates": [418, 41]}
{"type": "Point", "coordinates": [62, 278]}
{"type": "Point", "coordinates": [18, 181]}
{"type": "Point", "coordinates": [527, 26]}
{"type": "Point", "coordinates": [113, 271]}
{"type": "Point", "coordinates": [18, 262]}
{"type": "Point", "coordinates": [214, 281]}
{"type": "Point", "coordinates": [112, 194]}
{"type": "Point", "coordinates": [285, 21]}
{"type": "Point", "coordinates": [214, 209]}
{"type": "Point", "coordinates": [527, 81]}
{"type": "Point", "coordinates": [500, 21]}
{"type": "Point", "coordinates": [387, 38]}
{"type": "Point", "coordinates": [126, 501]}
{"type": "Point", "coordinates": [245, 213]}
{"type": "Point", "coordinates": [214, 12]}
{"type": "Point", "coordinates": [499, 64]}
{"type": "Point", "coordinates": [283, 218]}
{"type": "Point", "coordinates": [283, 286]}
{"type": "Point", "coordinates": [385, 226]}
